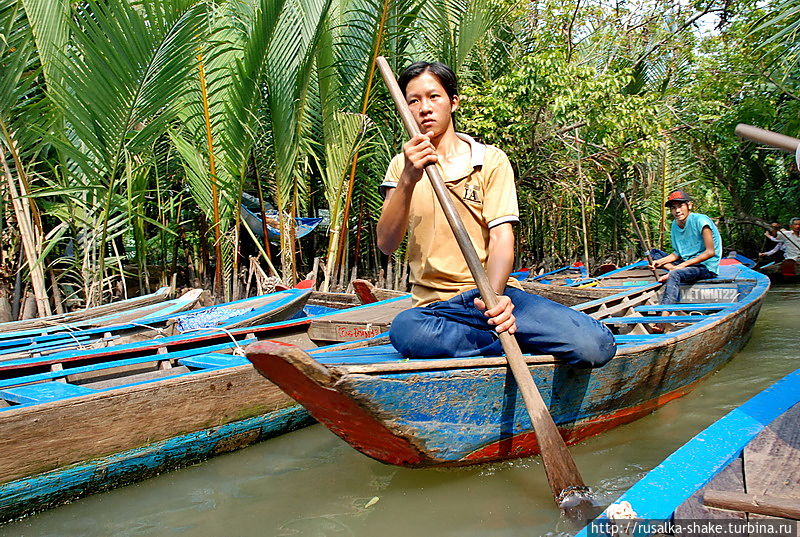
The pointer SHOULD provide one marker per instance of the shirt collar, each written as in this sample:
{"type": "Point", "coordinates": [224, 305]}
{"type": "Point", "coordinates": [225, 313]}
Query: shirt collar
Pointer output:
{"type": "Point", "coordinates": [478, 149]}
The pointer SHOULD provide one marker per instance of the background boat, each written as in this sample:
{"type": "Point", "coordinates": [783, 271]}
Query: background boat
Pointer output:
{"type": "Point", "coordinates": [88, 313]}
{"type": "Point", "coordinates": [241, 313]}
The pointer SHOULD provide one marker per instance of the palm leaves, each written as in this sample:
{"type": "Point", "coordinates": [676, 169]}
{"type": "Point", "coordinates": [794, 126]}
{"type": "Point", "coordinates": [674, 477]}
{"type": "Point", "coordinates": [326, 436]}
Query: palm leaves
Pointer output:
{"type": "Point", "coordinates": [113, 111]}
{"type": "Point", "coordinates": [116, 91]}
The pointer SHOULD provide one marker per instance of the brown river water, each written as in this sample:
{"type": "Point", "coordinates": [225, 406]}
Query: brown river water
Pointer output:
{"type": "Point", "coordinates": [310, 483]}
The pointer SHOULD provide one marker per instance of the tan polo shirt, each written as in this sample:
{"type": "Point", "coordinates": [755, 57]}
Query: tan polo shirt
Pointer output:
{"type": "Point", "coordinates": [484, 196]}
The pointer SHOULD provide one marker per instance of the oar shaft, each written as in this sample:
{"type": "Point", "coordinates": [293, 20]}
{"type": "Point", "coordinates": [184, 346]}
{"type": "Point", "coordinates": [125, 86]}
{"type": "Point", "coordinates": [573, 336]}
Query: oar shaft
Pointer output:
{"type": "Point", "coordinates": [638, 231]}
{"type": "Point", "coordinates": [763, 136]}
{"type": "Point", "coordinates": [562, 473]}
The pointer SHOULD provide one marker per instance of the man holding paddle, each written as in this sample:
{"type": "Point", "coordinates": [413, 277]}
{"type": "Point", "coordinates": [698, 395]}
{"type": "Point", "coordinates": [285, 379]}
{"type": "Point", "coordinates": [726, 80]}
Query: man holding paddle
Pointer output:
{"type": "Point", "coordinates": [448, 318]}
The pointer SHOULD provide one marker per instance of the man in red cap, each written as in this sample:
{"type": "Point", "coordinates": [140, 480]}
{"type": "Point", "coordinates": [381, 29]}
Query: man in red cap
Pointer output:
{"type": "Point", "coordinates": [697, 245]}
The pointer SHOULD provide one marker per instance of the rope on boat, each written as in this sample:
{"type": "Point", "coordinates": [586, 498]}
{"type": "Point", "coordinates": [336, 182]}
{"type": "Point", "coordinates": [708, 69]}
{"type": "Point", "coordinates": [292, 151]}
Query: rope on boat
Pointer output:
{"type": "Point", "coordinates": [238, 351]}
{"type": "Point", "coordinates": [160, 331]}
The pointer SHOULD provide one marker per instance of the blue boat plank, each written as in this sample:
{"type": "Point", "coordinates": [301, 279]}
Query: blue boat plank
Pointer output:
{"type": "Point", "coordinates": [209, 361]}
{"type": "Point", "coordinates": [656, 319]}
{"type": "Point", "coordinates": [43, 392]}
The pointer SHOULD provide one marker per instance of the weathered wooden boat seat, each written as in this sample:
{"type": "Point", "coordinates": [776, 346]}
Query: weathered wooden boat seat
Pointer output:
{"type": "Point", "coordinates": [43, 392]}
{"type": "Point", "coordinates": [359, 322]}
{"type": "Point", "coordinates": [684, 307]}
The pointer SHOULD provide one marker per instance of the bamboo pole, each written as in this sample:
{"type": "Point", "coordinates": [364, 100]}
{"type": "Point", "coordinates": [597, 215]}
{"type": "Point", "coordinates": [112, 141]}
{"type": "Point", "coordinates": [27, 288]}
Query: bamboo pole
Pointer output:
{"type": "Point", "coordinates": [212, 165]}
{"type": "Point", "coordinates": [561, 470]}
{"type": "Point", "coordinates": [28, 241]}
{"type": "Point", "coordinates": [642, 241]}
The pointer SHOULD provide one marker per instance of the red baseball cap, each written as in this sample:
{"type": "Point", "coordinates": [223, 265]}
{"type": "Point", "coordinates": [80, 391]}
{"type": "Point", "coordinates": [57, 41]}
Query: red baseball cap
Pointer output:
{"type": "Point", "coordinates": [677, 196]}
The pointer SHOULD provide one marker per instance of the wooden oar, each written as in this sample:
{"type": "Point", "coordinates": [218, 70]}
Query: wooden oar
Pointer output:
{"type": "Point", "coordinates": [639, 234]}
{"type": "Point", "coordinates": [562, 473]}
{"type": "Point", "coordinates": [777, 140]}
{"type": "Point", "coordinates": [763, 136]}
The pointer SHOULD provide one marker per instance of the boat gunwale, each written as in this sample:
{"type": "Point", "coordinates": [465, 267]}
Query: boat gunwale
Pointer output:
{"type": "Point", "coordinates": [650, 497]}
{"type": "Point", "coordinates": [754, 298]}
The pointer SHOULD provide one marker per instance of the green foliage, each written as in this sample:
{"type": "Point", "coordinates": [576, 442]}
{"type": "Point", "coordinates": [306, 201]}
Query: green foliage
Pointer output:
{"type": "Point", "coordinates": [104, 111]}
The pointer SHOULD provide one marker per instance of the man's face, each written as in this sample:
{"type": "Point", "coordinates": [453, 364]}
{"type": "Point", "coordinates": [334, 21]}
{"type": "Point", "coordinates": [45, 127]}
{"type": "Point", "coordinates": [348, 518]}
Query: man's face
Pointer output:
{"type": "Point", "coordinates": [430, 104]}
{"type": "Point", "coordinates": [796, 226]}
{"type": "Point", "coordinates": [680, 210]}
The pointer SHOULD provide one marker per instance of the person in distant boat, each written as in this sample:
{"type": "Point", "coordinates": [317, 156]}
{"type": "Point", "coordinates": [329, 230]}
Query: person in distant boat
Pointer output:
{"type": "Point", "coordinates": [697, 245]}
{"type": "Point", "coordinates": [791, 243]}
{"type": "Point", "coordinates": [449, 318]}
{"type": "Point", "coordinates": [791, 240]}
{"type": "Point", "coordinates": [778, 247]}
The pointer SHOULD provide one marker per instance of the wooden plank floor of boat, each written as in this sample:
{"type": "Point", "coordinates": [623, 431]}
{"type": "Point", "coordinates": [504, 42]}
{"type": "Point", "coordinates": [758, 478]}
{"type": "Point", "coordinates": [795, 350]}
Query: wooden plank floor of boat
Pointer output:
{"type": "Point", "coordinates": [772, 460]}
{"type": "Point", "coordinates": [360, 323]}
{"type": "Point", "coordinates": [768, 466]}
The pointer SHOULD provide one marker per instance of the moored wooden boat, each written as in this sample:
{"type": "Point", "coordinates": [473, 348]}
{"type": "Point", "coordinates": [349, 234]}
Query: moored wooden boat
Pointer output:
{"type": "Point", "coordinates": [786, 271]}
{"type": "Point", "coordinates": [743, 469]}
{"type": "Point", "coordinates": [42, 322]}
{"type": "Point", "coordinates": [450, 412]}
{"type": "Point", "coordinates": [241, 313]}
{"type": "Point", "coordinates": [82, 421]}
{"type": "Point", "coordinates": [577, 289]}
{"type": "Point", "coordinates": [140, 314]}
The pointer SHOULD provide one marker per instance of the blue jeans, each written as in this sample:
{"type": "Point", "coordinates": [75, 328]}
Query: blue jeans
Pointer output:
{"type": "Point", "coordinates": [457, 328]}
{"type": "Point", "coordinates": [677, 277]}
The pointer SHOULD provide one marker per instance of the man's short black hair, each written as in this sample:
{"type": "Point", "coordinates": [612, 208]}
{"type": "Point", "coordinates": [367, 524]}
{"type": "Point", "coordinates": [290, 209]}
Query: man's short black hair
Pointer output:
{"type": "Point", "coordinates": [445, 75]}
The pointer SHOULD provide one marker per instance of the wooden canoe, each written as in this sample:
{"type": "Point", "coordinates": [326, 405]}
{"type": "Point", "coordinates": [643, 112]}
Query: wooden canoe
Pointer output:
{"type": "Point", "coordinates": [78, 422]}
{"type": "Point", "coordinates": [451, 412]}
{"type": "Point", "coordinates": [741, 469]}
{"type": "Point", "coordinates": [575, 290]}
{"type": "Point", "coordinates": [241, 313]}
{"type": "Point", "coordinates": [786, 271]}
{"type": "Point", "coordinates": [140, 314]}
{"type": "Point", "coordinates": [88, 313]}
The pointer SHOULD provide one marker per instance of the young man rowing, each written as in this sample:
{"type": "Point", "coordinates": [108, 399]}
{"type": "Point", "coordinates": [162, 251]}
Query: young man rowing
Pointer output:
{"type": "Point", "coordinates": [448, 318]}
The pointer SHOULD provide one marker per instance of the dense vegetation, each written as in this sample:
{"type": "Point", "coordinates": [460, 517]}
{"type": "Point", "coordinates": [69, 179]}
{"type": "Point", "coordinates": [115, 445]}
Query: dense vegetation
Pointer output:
{"type": "Point", "coordinates": [129, 129]}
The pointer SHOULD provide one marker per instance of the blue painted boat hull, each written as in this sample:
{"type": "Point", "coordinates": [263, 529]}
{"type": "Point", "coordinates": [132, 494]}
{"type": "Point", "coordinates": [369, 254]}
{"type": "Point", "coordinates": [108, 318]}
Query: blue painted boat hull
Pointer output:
{"type": "Point", "coordinates": [417, 414]}
{"type": "Point", "coordinates": [29, 495]}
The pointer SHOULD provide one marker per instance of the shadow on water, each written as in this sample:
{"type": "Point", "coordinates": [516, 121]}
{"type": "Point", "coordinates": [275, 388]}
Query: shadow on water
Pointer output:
{"type": "Point", "coordinates": [310, 483]}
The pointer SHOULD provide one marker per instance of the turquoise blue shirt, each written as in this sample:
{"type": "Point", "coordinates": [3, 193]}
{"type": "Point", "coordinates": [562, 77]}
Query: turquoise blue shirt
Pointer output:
{"type": "Point", "coordinates": [688, 240]}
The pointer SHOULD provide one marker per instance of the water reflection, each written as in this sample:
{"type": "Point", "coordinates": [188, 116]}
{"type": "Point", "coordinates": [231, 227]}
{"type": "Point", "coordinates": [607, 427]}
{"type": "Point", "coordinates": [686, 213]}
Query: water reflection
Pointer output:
{"type": "Point", "coordinates": [309, 483]}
